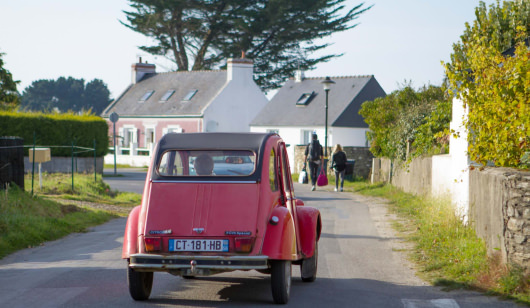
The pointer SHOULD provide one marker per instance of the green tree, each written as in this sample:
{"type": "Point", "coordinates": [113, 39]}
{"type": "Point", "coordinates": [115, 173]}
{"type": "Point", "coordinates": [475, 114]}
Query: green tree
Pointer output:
{"type": "Point", "coordinates": [407, 118]}
{"type": "Point", "coordinates": [8, 87]}
{"type": "Point", "coordinates": [495, 87]}
{"type": "Point", "coordinates": [66, 94]}
{"type": "Point", "coordinates": [278, 35]}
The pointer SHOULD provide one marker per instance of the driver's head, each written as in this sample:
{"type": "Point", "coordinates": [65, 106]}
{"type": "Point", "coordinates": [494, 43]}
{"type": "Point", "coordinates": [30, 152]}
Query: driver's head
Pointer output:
{"type": "Point", "coordinates": [203, 164]}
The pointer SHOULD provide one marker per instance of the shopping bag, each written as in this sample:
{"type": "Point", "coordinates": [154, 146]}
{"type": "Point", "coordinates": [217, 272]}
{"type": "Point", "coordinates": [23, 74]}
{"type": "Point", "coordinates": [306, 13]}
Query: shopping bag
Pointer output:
{"type": "Point", "coordinates": [303, 179]}
{"type": "Point", "coordinates": [322, 179]}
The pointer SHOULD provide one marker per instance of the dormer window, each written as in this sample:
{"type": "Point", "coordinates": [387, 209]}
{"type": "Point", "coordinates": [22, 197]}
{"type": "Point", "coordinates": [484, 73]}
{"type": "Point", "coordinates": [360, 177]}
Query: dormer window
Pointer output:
{"type": "Point", "coordinates": [305, 99]}
{"type": "Point", "coordinates": [190, 95]}
{"type": "Point", "coordinates": [167, 96]}
{"type": "Point", "coordinates": [146, 96]}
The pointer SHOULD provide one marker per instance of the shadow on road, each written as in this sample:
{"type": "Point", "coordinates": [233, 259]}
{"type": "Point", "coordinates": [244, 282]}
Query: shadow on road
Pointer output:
{"type": "Point", "coordinates": [352, 236]}
{"type": "Point", "coordinates": [323, 198]}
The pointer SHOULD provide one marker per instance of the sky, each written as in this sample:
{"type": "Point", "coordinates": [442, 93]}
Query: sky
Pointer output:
{"type": "Point", "coordinates": [396, 41]}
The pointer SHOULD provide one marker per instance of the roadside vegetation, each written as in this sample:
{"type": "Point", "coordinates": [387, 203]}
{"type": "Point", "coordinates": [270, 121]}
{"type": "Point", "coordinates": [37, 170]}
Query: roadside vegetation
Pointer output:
{"type": "Point", "coordinates": [447, 252]}
{"type": "Point", "coordinates": [55, 211]}
{"type": "Point", "coordinates": [58, 186]}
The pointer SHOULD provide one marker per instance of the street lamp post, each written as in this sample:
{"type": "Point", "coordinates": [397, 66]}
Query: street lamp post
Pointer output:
{"type": "Point", "coordinates": [327, 85]}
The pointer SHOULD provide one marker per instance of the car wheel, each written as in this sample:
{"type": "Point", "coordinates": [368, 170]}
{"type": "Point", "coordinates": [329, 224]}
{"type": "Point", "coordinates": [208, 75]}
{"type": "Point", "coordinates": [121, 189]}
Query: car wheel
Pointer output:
{"type": "Point", "coordinates": [140, 284]}
{"type": "Point", "coordinates": [309, 267]}
{"type": "Point", "coordinates": [281, 281]}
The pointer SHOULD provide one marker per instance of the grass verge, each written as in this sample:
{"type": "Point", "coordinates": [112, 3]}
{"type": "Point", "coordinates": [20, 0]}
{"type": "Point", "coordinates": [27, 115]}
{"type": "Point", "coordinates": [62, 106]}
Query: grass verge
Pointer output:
{"type": "Point", "coordinates": [27, 221]}
{"type": "Point", "coordinates": [57, 210]}
{"type": "Point", "coordinates": [448, 253]}
{"type": "Point", "coordinates": [85, 188]}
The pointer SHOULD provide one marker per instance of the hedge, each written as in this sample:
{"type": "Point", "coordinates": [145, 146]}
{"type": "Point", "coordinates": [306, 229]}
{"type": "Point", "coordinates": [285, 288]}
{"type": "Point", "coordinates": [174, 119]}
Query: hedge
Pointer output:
{"type": "Point", "coordinates": [57, 130]}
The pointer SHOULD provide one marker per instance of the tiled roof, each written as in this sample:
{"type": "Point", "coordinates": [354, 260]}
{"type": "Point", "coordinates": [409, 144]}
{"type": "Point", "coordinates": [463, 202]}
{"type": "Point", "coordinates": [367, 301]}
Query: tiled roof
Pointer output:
{"type": "Point", "coordinates": [207, 83]}
{"type": "Point", "coordinates": [344, 101]}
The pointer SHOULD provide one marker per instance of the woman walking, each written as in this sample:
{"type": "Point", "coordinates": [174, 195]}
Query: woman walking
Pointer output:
{"type": "Point", "coordinates": [338, 163]}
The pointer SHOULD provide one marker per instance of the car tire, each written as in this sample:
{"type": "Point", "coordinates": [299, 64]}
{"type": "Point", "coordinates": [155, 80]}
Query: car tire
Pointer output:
{"type": "Point", "coordinates": [281, 281]}
{"type": "Point", "coordinates": [188, 277]}
{"type": "Point", "coordinates": [309, 267]}
{"type": "Point", "coordinates": [140, 284]}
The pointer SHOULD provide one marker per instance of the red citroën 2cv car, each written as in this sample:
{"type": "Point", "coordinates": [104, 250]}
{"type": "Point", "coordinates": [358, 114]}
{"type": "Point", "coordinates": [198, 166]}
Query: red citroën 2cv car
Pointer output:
{"type": "Point", "coordinates": [219, 202]}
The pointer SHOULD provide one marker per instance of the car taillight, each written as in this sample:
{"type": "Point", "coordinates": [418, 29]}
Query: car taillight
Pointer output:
{"type": "Point", "coordinates": [243, 244]}
{"type": "Point", "coordinates": [153, 244]}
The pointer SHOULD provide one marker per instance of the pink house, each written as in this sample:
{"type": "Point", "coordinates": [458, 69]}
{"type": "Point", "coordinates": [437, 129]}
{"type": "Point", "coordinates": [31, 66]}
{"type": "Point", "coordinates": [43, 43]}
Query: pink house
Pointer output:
{"type": "Point", "coordinates": [191, 101]}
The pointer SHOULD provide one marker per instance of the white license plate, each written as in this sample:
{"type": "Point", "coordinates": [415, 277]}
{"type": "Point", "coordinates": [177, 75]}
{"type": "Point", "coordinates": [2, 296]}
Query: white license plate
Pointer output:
{"type": "Point", "coordinates": [198, 245]}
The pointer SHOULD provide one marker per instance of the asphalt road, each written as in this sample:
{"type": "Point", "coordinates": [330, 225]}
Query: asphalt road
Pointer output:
{"type": "Point", "coordinates": [126, 179]}
{"type": "Point", "coordinates": [360, 265]}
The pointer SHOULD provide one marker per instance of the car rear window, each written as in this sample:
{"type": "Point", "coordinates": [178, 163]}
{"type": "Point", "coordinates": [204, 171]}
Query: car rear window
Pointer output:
{"type": "Point", "coordinates": [206, 163]}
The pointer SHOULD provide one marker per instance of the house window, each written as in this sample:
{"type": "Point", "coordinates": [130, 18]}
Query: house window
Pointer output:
{"type": "Point", "coordinates": [305, 99]}
{"type": "Point", "coordinates": [146, 96]}
{"type": "Point", "coordinates": [166, 96]}
{"type": "Point", "coordinates": [190, 95]}
{"type": "Point", "coordinates": [149, 137]}
{"type": "Point", "coordinates": [306, 136]}
{"type": "Point", "coordinates": [129, 136]}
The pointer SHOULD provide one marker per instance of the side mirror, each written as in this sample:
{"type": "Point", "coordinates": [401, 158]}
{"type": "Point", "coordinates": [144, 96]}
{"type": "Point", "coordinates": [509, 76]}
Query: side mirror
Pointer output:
{"type": "Point", "coordinates": [299, 202]}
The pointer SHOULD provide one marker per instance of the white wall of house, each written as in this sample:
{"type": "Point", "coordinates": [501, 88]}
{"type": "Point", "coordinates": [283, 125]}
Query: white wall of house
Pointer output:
{"type": "Point", "coordinates": [450, 172]}
{"type": "Point", "coordinates": [460, 165]}
{"type": "Point", "coordinates": [350, 137]}
{"type": "Point", "coordinates": [238, 103]}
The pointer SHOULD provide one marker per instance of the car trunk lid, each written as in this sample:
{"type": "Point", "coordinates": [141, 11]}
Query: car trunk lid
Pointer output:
{"type": "Point", "coordinates": [202, 209]}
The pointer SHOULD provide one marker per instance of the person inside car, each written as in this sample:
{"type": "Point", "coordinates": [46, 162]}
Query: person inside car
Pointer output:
{"type": "Point", "coordinates": [203, 164]}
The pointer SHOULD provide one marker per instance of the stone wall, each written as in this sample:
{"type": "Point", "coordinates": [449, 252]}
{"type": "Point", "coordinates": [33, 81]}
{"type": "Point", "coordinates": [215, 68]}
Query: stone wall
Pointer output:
{"type": "Point", "coordinates": [516, 208]}
{"type": "Point", "coordinates": [362, 156]}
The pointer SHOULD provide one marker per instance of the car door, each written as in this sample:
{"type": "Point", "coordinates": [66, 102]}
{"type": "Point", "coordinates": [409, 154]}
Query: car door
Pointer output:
{"type": "Point", "coordinates": [287, 189]}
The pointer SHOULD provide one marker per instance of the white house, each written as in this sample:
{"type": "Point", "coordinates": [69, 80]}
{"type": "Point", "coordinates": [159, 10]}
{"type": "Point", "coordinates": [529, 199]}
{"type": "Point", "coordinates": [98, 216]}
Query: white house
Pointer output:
{"type": "Point", "coordinates": [186, 101]}
{"type": "Point", "coordinates": [298, 109]}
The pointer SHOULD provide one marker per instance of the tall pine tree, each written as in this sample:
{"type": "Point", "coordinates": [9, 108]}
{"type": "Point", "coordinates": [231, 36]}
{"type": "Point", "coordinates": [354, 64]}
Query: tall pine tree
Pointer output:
{"type": "Point", "coordinates": [278, 35]}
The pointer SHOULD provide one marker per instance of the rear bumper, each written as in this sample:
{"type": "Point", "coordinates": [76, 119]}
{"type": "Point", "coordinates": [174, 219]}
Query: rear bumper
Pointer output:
{"type": "Point", "coordinates": [196, 265]}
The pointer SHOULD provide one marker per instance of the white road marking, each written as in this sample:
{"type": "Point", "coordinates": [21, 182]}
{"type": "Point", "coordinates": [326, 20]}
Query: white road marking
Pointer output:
{"type": "Point", "coordinates": [432, 303]}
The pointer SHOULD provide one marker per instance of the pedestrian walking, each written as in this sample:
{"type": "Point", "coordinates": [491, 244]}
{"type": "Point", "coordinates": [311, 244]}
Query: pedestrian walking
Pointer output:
{"type": "Point", "coordinates": [338, 163]}
{"type": "Point", "coordinates": [314, 156]}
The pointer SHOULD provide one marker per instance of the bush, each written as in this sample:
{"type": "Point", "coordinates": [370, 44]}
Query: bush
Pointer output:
{"type": "Point", "coordinates": [493, 82]}
{"type": "Point", "coordinates": [407, 116]}
{"type": "Point", "coordinates": [57, 130]}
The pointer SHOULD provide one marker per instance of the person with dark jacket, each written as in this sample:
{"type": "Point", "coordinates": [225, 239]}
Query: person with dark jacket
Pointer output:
{"type": "Point", "coordinates": [314, 155]}
{"type": "Point", "coordinates": [338, 162]}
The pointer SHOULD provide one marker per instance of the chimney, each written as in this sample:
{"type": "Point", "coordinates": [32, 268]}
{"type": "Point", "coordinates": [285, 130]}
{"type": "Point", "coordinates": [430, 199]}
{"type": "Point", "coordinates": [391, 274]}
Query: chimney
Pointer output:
{"type": "Point", "coordinates": [139, 70]}
{"type": "Point", "coordinates": [299, 76]}
{"type": "Point", "coordinates": [240, 69]}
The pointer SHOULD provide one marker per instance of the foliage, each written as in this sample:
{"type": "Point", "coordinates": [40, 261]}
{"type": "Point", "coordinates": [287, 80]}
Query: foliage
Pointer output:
{"type": "Point", "coordinates": [278, 35]}
{"type": "Point", "coordinates": [66, 94]}
{"type": "Point", "coordinates": [8, 87]}
{"type": "Point", "coordinates": [495, 87]}
{"type": "Point", "coordinates": [57, 130]}
{"type": "Point", "coordinates": [407, 116]}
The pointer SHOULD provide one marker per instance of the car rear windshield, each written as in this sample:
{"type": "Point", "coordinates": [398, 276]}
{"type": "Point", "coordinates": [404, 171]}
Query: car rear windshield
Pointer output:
{"type": "Point", "coordinates": [206, 163]}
